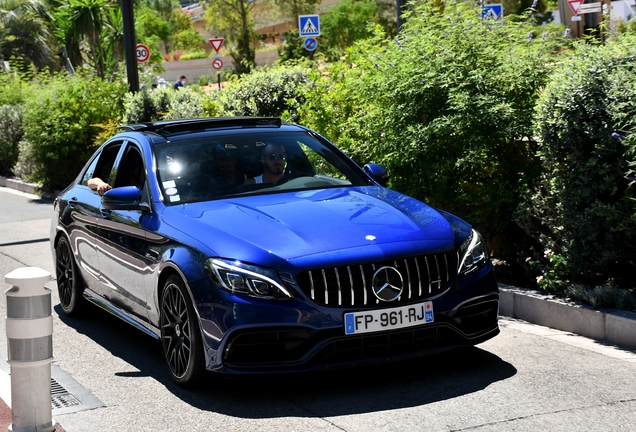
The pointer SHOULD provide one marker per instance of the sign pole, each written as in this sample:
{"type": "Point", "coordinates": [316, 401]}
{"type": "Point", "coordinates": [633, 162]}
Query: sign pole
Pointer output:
{"type": "Point", "coordinates": [130, 44]}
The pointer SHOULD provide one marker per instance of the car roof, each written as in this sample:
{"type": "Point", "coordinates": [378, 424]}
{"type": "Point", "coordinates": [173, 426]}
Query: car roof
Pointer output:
{"type": "Point", "coordinates": [177, 127]}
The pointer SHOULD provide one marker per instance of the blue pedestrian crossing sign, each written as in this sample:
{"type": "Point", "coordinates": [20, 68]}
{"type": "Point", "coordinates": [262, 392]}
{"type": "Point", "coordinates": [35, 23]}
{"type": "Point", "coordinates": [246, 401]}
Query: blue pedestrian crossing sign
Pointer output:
{"type": "Point", "coordinates": [492, 12]}
{"type": "Point", "coordinates": [309, 25]}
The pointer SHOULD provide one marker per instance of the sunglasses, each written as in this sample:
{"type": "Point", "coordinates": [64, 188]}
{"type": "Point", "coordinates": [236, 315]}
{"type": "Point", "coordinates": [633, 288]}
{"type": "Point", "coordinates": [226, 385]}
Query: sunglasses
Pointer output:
{"type": "Point", "coordinates": [274, 156]}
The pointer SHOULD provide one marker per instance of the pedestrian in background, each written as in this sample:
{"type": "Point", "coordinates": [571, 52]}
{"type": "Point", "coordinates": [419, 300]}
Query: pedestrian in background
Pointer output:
{"type": "Point", "coordinates": [180, 82]}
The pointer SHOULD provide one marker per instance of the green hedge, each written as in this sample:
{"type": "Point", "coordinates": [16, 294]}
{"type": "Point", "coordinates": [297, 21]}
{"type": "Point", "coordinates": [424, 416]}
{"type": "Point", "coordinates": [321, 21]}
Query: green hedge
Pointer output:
{"type": "Point", "coordinates": [162, 104]}
{"type": "Point", "coordinates": [270, 92]}
{"type": "Point", "coordinates": [582, 210]}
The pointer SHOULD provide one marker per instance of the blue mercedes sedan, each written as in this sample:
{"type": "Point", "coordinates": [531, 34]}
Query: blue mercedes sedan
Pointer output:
{"type": "Point", "coordinates": [248, 245]}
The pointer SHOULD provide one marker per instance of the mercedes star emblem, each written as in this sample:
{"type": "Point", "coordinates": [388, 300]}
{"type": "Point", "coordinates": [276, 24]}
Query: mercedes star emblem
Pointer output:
{"type": "Point", "coordinates": [387, 284]}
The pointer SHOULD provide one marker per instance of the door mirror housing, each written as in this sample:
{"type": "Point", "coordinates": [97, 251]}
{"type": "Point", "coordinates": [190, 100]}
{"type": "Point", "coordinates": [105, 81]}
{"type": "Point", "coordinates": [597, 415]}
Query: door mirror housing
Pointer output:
{"type": "Point", "coordinates": [378, 173]}
{"type": "Point", "coordinates": [124, 198]}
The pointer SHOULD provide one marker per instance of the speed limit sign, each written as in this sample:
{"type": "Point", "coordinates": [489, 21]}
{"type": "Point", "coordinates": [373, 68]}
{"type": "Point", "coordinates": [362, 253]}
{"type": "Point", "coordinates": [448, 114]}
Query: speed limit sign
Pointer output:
{"type": "Point", "coordinates": [143, 53]}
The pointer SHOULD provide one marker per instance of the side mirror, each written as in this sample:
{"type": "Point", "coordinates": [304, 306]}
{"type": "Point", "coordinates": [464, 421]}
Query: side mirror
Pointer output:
{"type": "Point", "coordinates": [123, 198]}
{"type": "Point", "coordinates": [378, 173]}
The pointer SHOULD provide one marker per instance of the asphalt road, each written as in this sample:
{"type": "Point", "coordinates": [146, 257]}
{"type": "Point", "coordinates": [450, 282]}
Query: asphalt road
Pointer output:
{"type": "Point", "coordinates": [528, 378]}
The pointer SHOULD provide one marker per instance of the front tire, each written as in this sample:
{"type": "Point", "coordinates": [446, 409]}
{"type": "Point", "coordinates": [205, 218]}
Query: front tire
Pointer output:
{"type": "Point", "coordinates": [69, 285]}
{"type": "Point", "coordinates": [180, 334]}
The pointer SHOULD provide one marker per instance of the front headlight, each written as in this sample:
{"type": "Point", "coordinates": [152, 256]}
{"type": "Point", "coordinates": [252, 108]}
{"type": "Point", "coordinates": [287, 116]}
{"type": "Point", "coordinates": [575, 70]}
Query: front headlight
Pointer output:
{"type": "Point", "coordinates": [472, 254]}
{"type": "Point", "coordinates": [240, 278]}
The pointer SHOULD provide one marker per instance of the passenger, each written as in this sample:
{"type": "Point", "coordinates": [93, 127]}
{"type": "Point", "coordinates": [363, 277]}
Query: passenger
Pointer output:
{"type": "Point", "coordinates": [274, 159]}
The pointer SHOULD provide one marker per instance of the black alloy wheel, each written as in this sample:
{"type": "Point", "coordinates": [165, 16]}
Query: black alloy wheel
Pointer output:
{"type": "Point", "coordinates": [69, 285]}
{"type": "Point", "coordinates": [180, 334]}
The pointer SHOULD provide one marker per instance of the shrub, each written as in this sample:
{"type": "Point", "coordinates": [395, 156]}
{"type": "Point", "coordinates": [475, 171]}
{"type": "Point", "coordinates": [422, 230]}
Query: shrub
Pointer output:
{"type": "Point", "coordinates": [11, 134]}
{"type": "Point", "coordinates": [162, 104]}
{"type": "Point", "coordinates": [204, 80]}
{"type": "Point", "coordinates": [270, 92]}
{"type": "Point", "coordinates": [26, 164]}
{"type": "Point", "coordinates": [61, 125]}
{"type": "Point", "coordinates": [582, 210]}
{"type": "Point", "coordinates": [12, 89]}
{"type": "Point", "coordinates": [448, 108]}
{"type": "Point", "coordinates": [193, 55]}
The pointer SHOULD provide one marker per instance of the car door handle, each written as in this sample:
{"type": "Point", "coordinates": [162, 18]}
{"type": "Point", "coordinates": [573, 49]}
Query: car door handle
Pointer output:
{"type": "Point", "coordinates": [152, 254]}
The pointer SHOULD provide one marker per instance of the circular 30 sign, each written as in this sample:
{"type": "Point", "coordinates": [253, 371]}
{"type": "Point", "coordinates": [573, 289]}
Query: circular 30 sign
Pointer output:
{"type": "Point", "coordinates": [143, 53]}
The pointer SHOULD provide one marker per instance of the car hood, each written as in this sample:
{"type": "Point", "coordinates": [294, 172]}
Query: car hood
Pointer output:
{"type": "Point", "coordinates": [266, 229]}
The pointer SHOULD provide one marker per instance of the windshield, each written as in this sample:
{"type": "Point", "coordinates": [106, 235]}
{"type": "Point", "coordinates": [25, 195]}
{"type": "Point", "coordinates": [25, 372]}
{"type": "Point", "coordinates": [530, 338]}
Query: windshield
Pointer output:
{"type": "Point", "coordinates": [238, 164]}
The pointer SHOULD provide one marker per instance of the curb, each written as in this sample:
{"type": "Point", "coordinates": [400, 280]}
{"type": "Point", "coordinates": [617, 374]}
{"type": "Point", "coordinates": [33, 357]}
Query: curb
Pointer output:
{"type": "Point", "coordinates": [614, 326]}
{"type": "Point", "coordinates": [18, 185]}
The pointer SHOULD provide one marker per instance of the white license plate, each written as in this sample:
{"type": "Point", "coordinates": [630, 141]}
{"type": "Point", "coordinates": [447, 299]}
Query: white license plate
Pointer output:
{"type": "Point", "coordinates": [388, 319]}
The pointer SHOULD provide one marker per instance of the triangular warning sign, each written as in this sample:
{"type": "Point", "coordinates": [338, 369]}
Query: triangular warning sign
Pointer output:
{"type": "Point", "coordinates": [575, 5]}
{"type": "Point", "coordinates": [309, 28]}
{"type": "Point", "coordinates": [216, 43]}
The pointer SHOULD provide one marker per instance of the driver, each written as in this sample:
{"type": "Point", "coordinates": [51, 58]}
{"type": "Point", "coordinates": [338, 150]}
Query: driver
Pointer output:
{"type": "Point", "coordinates": [274, 159]}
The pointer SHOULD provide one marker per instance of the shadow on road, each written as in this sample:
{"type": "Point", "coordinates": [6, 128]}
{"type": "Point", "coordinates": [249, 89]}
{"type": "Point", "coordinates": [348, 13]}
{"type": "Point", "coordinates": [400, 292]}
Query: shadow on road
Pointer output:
{"type": "Point", "coordinates": [318, 394]}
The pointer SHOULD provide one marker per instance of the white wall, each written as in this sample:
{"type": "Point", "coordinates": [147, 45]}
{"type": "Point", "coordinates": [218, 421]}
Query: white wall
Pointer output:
{"type": "Point", "coordinates": [193, 69]}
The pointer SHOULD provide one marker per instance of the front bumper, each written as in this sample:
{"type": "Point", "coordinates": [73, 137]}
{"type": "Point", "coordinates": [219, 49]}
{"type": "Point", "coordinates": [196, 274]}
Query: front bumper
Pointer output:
{"type": "Point", "coordinates": [295, 348]}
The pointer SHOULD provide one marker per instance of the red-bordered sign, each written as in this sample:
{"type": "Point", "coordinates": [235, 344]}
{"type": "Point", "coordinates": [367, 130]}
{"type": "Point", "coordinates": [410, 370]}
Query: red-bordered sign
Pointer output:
{"type": "Point", "coordinates": [575, 5]}
{"type": "Point", "coordinates": [216, 43]}
{"type": "Point", "coordinates": [143, 53]}
{"type": "Point", "coordinates": [217, 63]}
{"type": "Point", "coordinates": [310, 44]}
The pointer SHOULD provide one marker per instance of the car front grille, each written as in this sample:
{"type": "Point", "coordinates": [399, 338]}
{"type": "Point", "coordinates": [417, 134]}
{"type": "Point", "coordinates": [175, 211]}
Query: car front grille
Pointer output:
{"type": "Point", "coordinates": [346, 286]}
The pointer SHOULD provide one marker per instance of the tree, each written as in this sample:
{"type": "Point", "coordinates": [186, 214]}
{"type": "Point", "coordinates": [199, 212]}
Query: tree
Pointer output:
{"type": "Point", "coordinates": [25, 33]}
{"type": "Point", "coordinates": [150, 24]}
{"type": "Point", "coordinates": [293, 8]}
{"type": "Point", "coordinates": [187, 39]}
{"type": "Point", "coordinates": [233, 20]}
{"type": "Point", "coordinates": [164, 8]}
{"type": "Point", "coordinates": [345, 23]}
{"type": "Point", "coordinates": [113, 39]}
{"type": "Point", "coordinates": [84, 19]}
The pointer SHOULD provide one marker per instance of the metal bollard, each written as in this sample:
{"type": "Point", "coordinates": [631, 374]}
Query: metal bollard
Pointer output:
{"type": "Point", "coordinates": [30, 349]}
